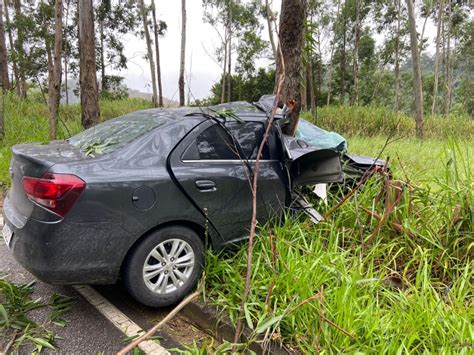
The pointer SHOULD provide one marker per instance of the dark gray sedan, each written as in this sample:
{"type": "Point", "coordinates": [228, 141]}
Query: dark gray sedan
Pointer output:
{"type": "Point", "coordinates": [139, 196]}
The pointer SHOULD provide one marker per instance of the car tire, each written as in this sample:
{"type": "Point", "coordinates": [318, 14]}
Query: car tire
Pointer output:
{"type": "Point", "coordinates": [165, 266]}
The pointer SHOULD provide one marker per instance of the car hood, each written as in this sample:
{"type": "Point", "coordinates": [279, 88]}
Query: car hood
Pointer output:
{"type": "Point", "coordinates": [311, 165]}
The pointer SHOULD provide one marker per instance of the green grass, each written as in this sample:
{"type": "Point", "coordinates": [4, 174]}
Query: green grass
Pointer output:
{"type": "Point", "coordinates": [422, 159]}
{"type": "Point", "coordinates": [18, 329]}
{"type": "Point", "coordinates": [394, 293]}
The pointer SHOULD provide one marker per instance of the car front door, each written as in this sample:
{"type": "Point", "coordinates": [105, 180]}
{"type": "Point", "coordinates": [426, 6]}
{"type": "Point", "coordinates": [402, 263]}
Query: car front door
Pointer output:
{"type": "Point", "coordinates": [213, 170]}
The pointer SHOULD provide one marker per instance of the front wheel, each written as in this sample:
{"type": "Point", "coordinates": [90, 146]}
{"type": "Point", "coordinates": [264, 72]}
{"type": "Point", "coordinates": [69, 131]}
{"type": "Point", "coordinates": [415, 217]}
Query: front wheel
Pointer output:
{"type": "Point", "coordinates": [165, 266]}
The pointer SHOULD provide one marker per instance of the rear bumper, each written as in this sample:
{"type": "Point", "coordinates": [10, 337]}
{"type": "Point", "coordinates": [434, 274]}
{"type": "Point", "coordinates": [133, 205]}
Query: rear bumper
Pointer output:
{"type": "Point", "coordinates": [68, 253]}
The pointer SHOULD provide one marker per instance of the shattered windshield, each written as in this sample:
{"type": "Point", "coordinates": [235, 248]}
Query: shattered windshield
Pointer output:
{"type": "Point", "coordinates": [111, 135]}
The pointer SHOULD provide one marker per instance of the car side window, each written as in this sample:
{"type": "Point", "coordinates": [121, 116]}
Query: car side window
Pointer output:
{"type": "Point", "coordinates": [249, 135]}
{"type": "Point", "coordinates": [212, 144]}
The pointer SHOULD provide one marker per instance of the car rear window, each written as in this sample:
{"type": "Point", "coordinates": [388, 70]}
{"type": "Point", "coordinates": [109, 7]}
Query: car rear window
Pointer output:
{"type": "Point", "coordinates": [111, 135]}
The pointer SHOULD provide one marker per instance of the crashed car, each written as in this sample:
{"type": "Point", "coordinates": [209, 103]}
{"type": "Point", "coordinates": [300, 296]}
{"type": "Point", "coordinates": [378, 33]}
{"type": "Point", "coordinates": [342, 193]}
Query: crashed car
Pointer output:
{"type": "Point", "coordinates": [140, 197]}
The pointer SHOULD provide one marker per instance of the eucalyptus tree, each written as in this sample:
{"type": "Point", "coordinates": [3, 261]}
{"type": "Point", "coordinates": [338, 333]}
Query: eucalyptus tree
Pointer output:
{"type": "Point", "coordinates": [151, 61]}
{"type": "Point", "coordinates": [417, 82]}
{"type": "Point", "coordinates": [159, 29]}
{"type": "Point", "coordinates": [182, 54]}
{"type": "Point", "coordinates": [238, 27]}
{"type": "Point", "coordinates": [4, 79]}
{"type": "Point", "coordinates": [90, 113]}
{"type": "Point", "coordinates": [115, 19]}
{"type": "Point", "coordinates": [54, 70]}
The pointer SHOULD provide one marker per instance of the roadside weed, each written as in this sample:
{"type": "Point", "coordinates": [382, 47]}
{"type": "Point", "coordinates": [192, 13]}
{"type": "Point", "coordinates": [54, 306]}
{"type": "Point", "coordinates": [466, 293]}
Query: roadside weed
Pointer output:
{"type": "Point", "coordinates": [335, 287]}
{"type": "Point", "coordinates": [17, 328]}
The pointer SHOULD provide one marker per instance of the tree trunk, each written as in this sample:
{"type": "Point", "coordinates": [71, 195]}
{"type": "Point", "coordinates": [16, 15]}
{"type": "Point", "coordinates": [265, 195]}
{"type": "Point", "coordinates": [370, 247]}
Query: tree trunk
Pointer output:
{"type": "Point", "coordinates": [417, 83]}
{"type": "Point", "coordinates": [149, 54]}
{"type": "Point", "coordinates": [436, 68]}
{"type": "Point", "coordinates": [343, 62]}
{"type": "Point", "coordinates": [4, 80]}
{"type": "Point", "coordinates": [332, 54]}
{"type": "Point", "coordinates": [54, 77]}
{"type": "Point", "coordinates": [448, 64]}
{"type": "Point", "coordinates": [103, 78]}
{"type": "Point", "coordinates": [293, 13]}
{"type": "Point", "coordinates": [355, 95]}
{"type": "Point", "coordinates": [20, 53]}
{"type": "Point", "coordinates": [224, 72]}
{"type": "Point", "coordinates": [304, 87]}
{"type": "Point", "coordinates": [229, 53]}
{"type": "Point", "coordinates": [397, 59]}
{"type": "Point", "coordinates": [310, 76]}
{"type": "Point", "coordinates": [157, 50]}
{"type": "Point", "coordinates": [90, 112]}
{"type": "Point", "coordinates": [66, 59]}
{"type": "Point", "coordinates": [269, 16]}
{"type": "Point", "coordinates": [12, 44]}
{"type": "Point", "coordinates": [183, 53]}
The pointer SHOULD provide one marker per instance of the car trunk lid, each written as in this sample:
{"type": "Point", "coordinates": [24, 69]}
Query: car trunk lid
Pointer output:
{"type": "Point", "coordinates": [34, 160]}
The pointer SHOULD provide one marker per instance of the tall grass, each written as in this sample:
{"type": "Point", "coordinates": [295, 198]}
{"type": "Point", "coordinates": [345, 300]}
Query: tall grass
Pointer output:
{"type": "Point", "coordinates": [395, 293]}
{"type": "Point", "coordinates": [371, 121]}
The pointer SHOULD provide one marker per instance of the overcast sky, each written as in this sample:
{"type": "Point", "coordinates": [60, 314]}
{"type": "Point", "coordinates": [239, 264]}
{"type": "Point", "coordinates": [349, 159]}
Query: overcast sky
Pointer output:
{"type": "Point", "coordinates": [201, 42]}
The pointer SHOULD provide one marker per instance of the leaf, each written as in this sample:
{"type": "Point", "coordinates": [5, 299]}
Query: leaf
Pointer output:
{"type": "Point", "coordinates": [4, 315]}
{"type": "Point", "coordinates": [267, 324]}
{"type": "Point", "coordinates": [42, 342]}
{"type": "Point", "coordinates": [248, 317]}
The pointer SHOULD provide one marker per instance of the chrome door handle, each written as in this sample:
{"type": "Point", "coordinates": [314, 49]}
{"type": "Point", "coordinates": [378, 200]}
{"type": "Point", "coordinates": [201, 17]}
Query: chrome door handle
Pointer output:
{"type": "Point", "coordinates": [206, 185]}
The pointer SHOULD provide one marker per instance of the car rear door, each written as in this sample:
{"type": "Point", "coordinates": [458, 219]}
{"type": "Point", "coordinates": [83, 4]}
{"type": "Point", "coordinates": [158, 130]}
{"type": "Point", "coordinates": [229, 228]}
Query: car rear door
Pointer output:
{"type": "Point", "coordinates": [214, 172]}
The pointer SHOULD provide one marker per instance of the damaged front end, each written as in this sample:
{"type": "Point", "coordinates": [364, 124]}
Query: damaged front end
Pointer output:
{"type": "Point", "coordinates": [314, 168]}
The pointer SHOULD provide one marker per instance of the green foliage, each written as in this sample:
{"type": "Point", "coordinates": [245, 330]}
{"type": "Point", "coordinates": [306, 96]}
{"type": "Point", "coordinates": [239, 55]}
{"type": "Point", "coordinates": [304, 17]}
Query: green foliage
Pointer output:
{"type": "Point", "coordinates": [249, 88]}
{"type": "Point", "coordinates": [395, 293]}
{"type": "Point", "coordinates": [18, 327]}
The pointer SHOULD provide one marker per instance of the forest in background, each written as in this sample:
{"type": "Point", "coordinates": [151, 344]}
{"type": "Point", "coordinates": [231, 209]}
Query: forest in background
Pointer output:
{"type": "Point", "coordinates": [351, 52]}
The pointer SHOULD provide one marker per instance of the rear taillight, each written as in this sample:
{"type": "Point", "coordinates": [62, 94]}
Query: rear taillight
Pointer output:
{"type": "Point", "coordinates": [56, 192]}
